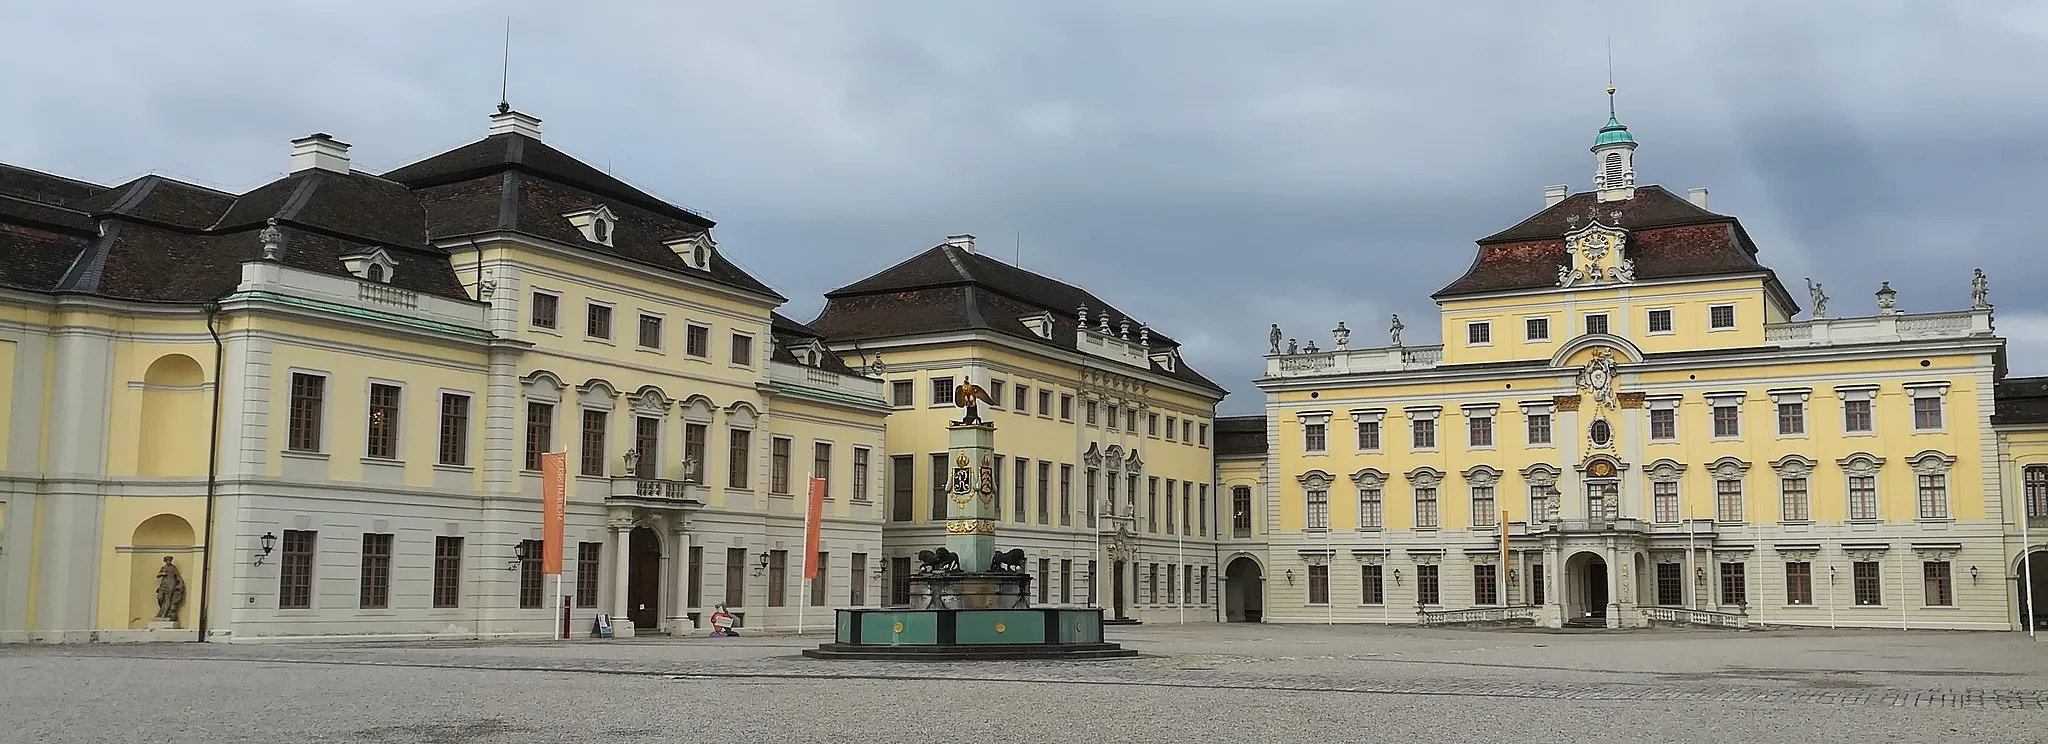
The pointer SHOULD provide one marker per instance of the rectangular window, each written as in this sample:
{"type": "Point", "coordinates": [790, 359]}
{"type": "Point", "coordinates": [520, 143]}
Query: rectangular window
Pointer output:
{"type": "Point", "coordinates": [547, 310]}
{"type": "Point", "coordinates": [1660, 321]}
{"type": "Point", "coordinates": [738, 460]}
{"type": "Point", "coordinates": [375, 590]}
{"type": "Point", "coordinates": [1727, 421]}
{"type": "Point", "coordinates": [1539, 502]}
{"type": "Point", "coordinates": [529, 575]}
{"type": "Point", "coordinates": [778, 578]}
{"type": "Point", "coordinates": [1066, 495]}
{"type": "Point", "coordinates": [743, 350]}
{"type": "Point", "coordinates": [1093, 581]}
{"type": "Point", "coordinates": [1599, 496]}
{"type": "Point", "coordinates": [902, 394]}
{"type": "Point", "coordinates": [1110, 421]}
{"type": "Point", "coordinates": [1856, 416]}
{"type": "Point", "coordinates": [1426, 588]}
{"type": "Point", "coordinates": [942, 391]}
{"type": "Point", "coordinates": [1152, 584]}
{"type": "Point", "coordinates": [1868, 584]}
{"type": "Point", "coordinates": [818, 585]}
{"type": "Point", "coordinates": [593, 441]}
{"type": "Point", "coordinates": [1044, 580]}
{"type": "Point", "coordinates": [1066, 406]}
{"type": "Point", "coordinates": [1934, 496]}
{"type": "Point", "coordinates": [1202, 510]}
{"type": "Point", "coordinates": [1926, 413]}
{"type": "Point", "coordinates": [860, 474]}
{"type": "Point", "coordinates": [447, 572]}
{"type": "Point", "coordinates": [1023, 402]}
{"type": "Point", "coordinates": [1539, 429]}
{"type": "Point", "coordinates": [1863, 497]}
{"type": "Point", "coordinates": [1170, 521]}
{"type": "Point", "coordinates": [646, 446]}
{"type": "Point", "coordinates": [1483, 512]}
{"type": "Point", "coordinates": [1152, 504]}
{"type": "Point", "coordinates": [1721, 317]}
{"type": "Point", "coordinates": [1319, 584]}
{"type": "Point", "coordinates": [1535, 583]}
{"type": "Point", "coordinates": [1935, 586]}
{"type": "Point", "coordinates": [1241, 511]}
{"type": "Point", "coordinates": [1372, 584]}
{"type": "Point", "coordinates": [778, 465]}
{"type": "Point", "coordinates": [295, 571]}
{"type": "Point", "coordinates": [1202, 434]}
{"type": "Point", "coordinates": [996, 390]}
{"type": "Point", "coordinates": [1045, 493]}
{"type": "Point", "coordinates": [1088, 413]}
{"type": "Point", "coordinates": [454, 429]}
{"type": "Point", "coordinates": [1152, 424]}
{"type": "Point", "coordinates": [1479, 431]}
{"type": "Point", "coordinates": [902, 469]}
{"type": "Point", "coordinates": [1792, 494]}
{"type": "Point", "coordinates": [1066, 581]}
{"type": "Point", "coordinates": [1318, 515]}
{"type": "Point", "coordinates": [1426, 516]}
{"type": "Point", "coordinates": [1728, 501]}
{"type": "Point", "coordinates": [308, 400]}
{"type": "Point", "coordinates": [1368, 435]}
{"type": "Point", "coordinates": [2034, 479]}
{"type": "Point", "coordinates": [1799, 583]}
{"type": "Point", "coordinates": [1734, 584]}
{"type": "Point", "coordinates": [996, 482]}
{"type": "Point", "coordinates": [540, 432]}
{"type": "Point", "coordinates": [857, 579]}
{"type": "Point", "coordinates": [736, 577]}
{"type": "Point", "coordinates": [1596, 323]}
{"type": "Point", "coordinates": [1314, 438]}
{"type": "Point", "coordinates": [1670, 584]}
{"type": "Point", "coordinates": [1536, 329]}
{"type": "Point", "coordinates": [1371, 509]}
{"type": "Point", "coordinates": [1479, 334]}
{"type": "Point", "coordinates": [1485, 586]}
{"type": "Point", "coordinates": [597, 321]}
{"type": "Point", "coordinates": [650, 331]}
{"type": "Point", "coordinates": [1045, 403]}
{"type": "Point", "coordinates": [695, 589]}
{"type": "Point", "coordinates": [589, 556]}
{"type": "Point", "coordinates": [1204, 582]}
{"type": "Point", "coordinates": [1172, 428]}
{"type": "Point", "coordinates": [1023, 491]}
{"type": "Point", "coordinates": [1424, 433]}
{"type": "Point", "coordinates": [821, 466]}
{"type": "Point", "coordinates": [1186, 435]}
{"type": "Point", "coordinates": [1090, 479]}
{"type": "Point", "coordinates": [1131, 420]}
{"type": "Point", "coordinates": [1791, 419]}
{"type": "Point", "coordinates": [1664, 424]}
{"type": "Point", "coordinates": [1664, 501]}
{"type": "Point", "coordinates": [381, 440]}
{"type": "Point", "coordinates": [697, 341]}
{"type": "Point", "coordinates": [938, 486]}
{"type": "Point", "coordinates": [695, 446]}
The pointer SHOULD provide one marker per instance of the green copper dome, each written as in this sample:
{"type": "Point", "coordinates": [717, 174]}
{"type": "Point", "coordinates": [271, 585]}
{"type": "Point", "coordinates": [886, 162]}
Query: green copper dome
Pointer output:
{"type": "Point", "coordinates": [1613, 133]}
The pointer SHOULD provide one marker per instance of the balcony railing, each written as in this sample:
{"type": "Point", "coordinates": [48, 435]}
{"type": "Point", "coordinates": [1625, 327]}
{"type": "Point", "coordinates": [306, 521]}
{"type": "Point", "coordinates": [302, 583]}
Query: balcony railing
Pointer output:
{"type": "Point", "coordinates": [1354, 361]}
{"type": "Point", "coordinates": [1683, 616]}
{"type": "Point", "coordinates": [1478, 616]}
{"type": "Point", "coordinates": [1590, 525]}
{"type": "Point", "coordinates": [1880, 328]}
{"type": "Point", "coordinates": [660, 490]}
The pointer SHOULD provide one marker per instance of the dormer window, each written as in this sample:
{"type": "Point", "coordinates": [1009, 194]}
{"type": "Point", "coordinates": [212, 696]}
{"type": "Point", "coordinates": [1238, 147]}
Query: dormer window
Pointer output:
{"type": "Point", "coordinates": [597, 223]}
{"type": "Point", "coordinates": [695, 250]}
{"type": "Point", "coordinates": [814, 354]}
{"type": "Point", "coordinates": [375, 266]}
{"type": "Point", "coordinates": [1165, 359]}
{"type": "Point", "coordinates": [1039, 325]}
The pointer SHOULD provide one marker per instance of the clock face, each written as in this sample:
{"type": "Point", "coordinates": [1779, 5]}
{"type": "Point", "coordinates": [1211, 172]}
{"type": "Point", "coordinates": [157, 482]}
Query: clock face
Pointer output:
{"type": "Point", "coordinates": [1596, 242]}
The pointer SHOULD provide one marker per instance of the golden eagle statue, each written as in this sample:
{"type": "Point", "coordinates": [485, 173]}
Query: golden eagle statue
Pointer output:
{"type": "Point", "coordinates": [969, 395]}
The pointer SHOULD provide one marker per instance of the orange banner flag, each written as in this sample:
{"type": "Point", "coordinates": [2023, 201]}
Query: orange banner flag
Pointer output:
{"type": "Point", "coordinates": [554, 499]}
{"type": "Point", "coordinates": [814, 522]}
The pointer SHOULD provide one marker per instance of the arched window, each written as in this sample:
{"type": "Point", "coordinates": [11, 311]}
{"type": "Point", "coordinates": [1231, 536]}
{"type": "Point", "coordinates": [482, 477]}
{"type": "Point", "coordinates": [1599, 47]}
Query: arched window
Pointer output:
{"type": "Point", "coordinates": [376, 273]}
{"type": "Point", "coordinates": [2035, 480]}
{"type": "Point", "coordinates": [1614, 170]}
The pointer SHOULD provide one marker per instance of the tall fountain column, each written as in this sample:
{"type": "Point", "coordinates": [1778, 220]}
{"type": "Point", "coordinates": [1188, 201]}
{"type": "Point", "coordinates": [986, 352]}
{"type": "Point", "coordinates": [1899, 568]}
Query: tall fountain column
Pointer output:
{"type": "Point", "coordinates": [971, 515]}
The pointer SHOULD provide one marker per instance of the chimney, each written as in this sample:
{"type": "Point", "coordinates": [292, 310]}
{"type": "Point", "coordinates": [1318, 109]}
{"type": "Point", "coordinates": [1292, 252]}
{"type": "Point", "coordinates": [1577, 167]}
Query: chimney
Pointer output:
{"type": "Point", "coordinates": [963, 242]}
{"type": "Point", "coordinates": [319, 151]}
{"type": "Point", "coordinates": [1698, 197]}
{"type": "Point", "coordinates": [508, 121]}
{"type": "Point", "coordinates": [1554, 194]}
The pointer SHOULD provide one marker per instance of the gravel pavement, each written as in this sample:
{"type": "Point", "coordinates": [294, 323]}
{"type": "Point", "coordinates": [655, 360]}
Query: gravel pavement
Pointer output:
{"type": "Point", "coordinates": [1209, 683]}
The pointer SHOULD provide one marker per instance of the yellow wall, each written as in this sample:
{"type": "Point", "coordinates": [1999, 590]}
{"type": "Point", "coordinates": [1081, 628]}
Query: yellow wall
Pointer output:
{"type": "Point", "coordinates": [7, 362]}
{"type": "Point", "coordinates": [160, 424]}
{"type": "Point", "coordinates": [1234, 472]}
{"type": "Point", "coordinates": [1627, 308]}
{"type": "Point", "coordinates": [127, 585]}
{"type": "Point", "coordinates": [807, 423]}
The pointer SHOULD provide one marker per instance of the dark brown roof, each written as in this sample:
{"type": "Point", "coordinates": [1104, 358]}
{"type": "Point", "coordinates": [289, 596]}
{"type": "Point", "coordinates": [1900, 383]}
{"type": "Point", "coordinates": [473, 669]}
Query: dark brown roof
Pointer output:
{"type": "Point", "coordinates": [161, 200]}
{"type": "Point", "coordinates": [2020, 400]}
{"type": "Point", "coordinates": [517, 183]}
{"type": "Point", "coordinates": [45, 188]}
{"type": "Point", "coordinates": [1240, 436]}
{"type": "Point", "coordinates": [948, 288]}
{"type": "Point", "coordinates": [1669, 237]}
{"type": "Point", "coordinates": [791, 336]}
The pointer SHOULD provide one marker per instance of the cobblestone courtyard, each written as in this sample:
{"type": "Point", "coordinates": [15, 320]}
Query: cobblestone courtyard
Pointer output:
{"type": "Point", "coordinates": [1196, 683]}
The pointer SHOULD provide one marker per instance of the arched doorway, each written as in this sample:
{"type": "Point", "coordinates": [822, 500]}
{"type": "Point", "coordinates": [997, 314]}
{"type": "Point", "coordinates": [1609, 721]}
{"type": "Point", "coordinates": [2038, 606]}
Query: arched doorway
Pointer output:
{"type": "Point", "coordinates": [2032, 587]}
{"type": "Point", "coordinates": [1585, 586]}
{"type": "Point", "coordinates": [159, 537]}
{"type": "Point", "coordinates": [1243, 591]}
{"type": "Point", "coordinates": [643, 585]}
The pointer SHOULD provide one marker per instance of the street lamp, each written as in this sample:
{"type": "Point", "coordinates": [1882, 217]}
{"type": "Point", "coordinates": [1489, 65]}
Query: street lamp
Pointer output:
{"type": "Point", "coordinates": [268, 543]}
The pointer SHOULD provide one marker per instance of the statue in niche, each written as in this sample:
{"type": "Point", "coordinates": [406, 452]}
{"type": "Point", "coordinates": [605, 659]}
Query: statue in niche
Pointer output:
{"type": "Point", "coordinates": [170, 591]}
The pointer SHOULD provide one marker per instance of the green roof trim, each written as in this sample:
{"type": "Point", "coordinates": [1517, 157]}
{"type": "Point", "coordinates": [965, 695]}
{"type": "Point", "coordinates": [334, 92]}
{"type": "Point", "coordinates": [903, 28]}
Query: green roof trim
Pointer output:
{"type": "Point", "coordinates": [370, 315]}
{"type": "Point", "coordinates": [822, 395]}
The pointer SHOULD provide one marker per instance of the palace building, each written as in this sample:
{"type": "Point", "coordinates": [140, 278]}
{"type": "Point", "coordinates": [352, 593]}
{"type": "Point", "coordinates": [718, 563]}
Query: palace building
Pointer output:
{"type": "Point", "coordinates": [348, 380]}
{"type": "Point", "coordinates": [1632, 420]}
{"type": "Point", "coordinates": [1104, 434]}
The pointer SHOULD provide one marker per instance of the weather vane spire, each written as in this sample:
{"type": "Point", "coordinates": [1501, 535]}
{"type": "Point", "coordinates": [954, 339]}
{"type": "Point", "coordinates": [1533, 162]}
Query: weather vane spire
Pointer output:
{"type": "Point", "coordinates": [505, 71]}
{"type": "Point", "coordinates": [1610, 76]}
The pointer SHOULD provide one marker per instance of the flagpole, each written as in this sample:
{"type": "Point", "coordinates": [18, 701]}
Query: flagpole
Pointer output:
{"type": "Point", "coordinates": [557, 632]}
{"type": "Point", "coordinates": [2026, 564]}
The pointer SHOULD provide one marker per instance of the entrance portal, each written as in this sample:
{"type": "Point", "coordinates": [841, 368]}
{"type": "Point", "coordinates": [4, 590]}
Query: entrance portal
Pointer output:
{"type": "Point", "coordinates": [1244, 591]}
{"type": "Point", "coordinates": [1586, 594]}
{"type": "Point", "coordinates": [643, 585]}
{"type": "Point", "coordinates": [1116, 591]}
{"type": "Point", "coordinates": [2033, 590]}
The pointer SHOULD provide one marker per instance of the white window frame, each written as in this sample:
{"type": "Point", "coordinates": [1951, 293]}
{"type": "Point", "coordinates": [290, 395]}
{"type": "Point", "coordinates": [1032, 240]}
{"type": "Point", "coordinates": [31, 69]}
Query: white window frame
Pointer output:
{"type": "Point", "coordinates": [660, 337]}
{"type": "Point", "coordinates": [1606, 318]}
{"type": "Point", "coordinates": [1734, 320]}
{"type": "Point", "coordinates": [326, 413]}
{"type": "Point", "coordinates": [1865, 393]}
{"type": "Point", "coordinates": [1721, 399]}
{"type": "Point", "coordinates": [753, 349]}
{"type": "Point", "coordinates": [687, 326]}
{"type": "Point", "coordinates": [1422, 413]}
{"type": "Point", "coordinates": [1670, 320]}
{"type": "Point", "coordinates": [1915, 391]}
{"type": "Point", "coordinates": [1309, 419]}
{"type": "Point", "coordinates": [1532, 409]}
{"type": "Point", "coordinates": [1375, 416]}
{"type": "Point", "coordinates": [1488, 411]}
{"type": "Point", "coordinates": [1527, 337]}
{"type": "Point", "coordinates": [1663, 402]}
{"type": "Point", "coordinates": [398, 438]}
{"type": "Point", "coordinates": [531, 293]}
{"type": "Point", "coordinates": [1479, 326]}
{"type": "Point", "coordinates": [612, 323]}
{"type": "Point", "coordinates": [1791, 396]}
{"type": "Point", "coordinates": [1935, 464]}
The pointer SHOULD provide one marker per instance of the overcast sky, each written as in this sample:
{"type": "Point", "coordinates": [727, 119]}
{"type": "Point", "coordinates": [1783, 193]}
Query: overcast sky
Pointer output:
{"type": "Point", "coordinates": [1211, 167]}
